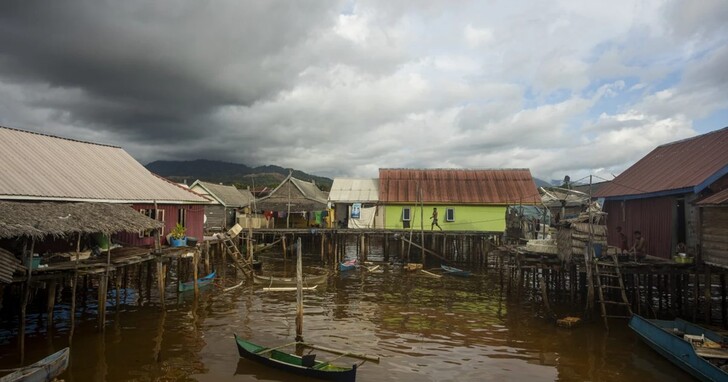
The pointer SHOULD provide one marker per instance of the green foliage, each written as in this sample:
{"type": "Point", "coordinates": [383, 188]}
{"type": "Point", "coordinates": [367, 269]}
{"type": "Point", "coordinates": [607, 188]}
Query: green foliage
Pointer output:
{"type": "Point", "coordinates": [179, 232]}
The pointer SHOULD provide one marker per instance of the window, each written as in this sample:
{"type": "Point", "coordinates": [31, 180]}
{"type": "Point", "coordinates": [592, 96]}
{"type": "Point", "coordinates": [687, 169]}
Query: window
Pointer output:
{"type": "Point", "coordinates": [450, 215]}
{"type": "Point", "coordinates": [152, 214]}
{"type": "Point", "coordinates": [182, 216]}
{"type": "Point", "coordinates": [406, 214]}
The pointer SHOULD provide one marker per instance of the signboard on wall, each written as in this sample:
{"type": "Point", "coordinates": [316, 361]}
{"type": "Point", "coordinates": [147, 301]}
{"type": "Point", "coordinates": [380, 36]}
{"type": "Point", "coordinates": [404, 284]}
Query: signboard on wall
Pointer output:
{"type": "Point", "coordinates": [356, 210]}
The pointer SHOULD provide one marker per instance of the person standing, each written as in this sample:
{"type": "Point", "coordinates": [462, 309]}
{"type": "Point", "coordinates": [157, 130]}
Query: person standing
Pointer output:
{"type": "Point", "coordinates": [434, 220]}
{"type": "Point", "coordinates": [623, 247]}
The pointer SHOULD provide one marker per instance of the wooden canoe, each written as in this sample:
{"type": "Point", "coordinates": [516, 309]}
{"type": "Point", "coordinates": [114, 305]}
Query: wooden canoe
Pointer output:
{"type": "Point", "coordinates": [685, 344]}
{"type": "Point", "coordinates": [44, 370]}
{"type": "Point", "coordinates": [289, 281]}
{"type": "Point", "coordinates": [305, 366]}
{"type": "Point", "coordinates": [190, 285]}
{"type": "Point", "coordinates": [452, 271]}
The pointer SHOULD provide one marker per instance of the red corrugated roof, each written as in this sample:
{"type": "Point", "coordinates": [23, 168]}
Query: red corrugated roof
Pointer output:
{"type": "Point", "coordinates": [509, 186]}
{"type": "Point", "coordinates": [674, 166]}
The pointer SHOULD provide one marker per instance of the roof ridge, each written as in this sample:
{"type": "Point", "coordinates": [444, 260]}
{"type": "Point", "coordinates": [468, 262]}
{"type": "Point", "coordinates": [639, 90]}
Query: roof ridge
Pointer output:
{"type": "Point", "coordinates": [693, 137]}
{"type": "Point", "coordinates": [458, 169]}
{"type": "Point", "coordinates": [59, 137]}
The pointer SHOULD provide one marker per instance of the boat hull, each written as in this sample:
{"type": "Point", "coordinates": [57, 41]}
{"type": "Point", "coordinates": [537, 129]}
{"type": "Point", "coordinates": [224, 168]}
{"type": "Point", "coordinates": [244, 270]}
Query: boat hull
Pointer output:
{"type": "Point", "coordinates": [292, 363]}
{"type": "Point", "coordinates": [44, 370]}
{"type": "Point", "coordinates": [657, 334]}
{"type": "Point", "coordinates": [454, 271]}
{"type": "Point", "coordinates": [201, 282]}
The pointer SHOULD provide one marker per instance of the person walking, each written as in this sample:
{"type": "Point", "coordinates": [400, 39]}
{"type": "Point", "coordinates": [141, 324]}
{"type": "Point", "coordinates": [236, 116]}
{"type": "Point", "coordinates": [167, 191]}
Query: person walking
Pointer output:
{"type": "Point", "coordinates": [434, 220]}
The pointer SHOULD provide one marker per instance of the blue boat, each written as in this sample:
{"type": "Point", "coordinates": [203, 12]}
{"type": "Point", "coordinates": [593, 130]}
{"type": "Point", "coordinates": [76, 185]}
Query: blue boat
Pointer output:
{"type": "Point", "coordinates": [452, 271]}
{"type": "Point", "coordinates": [190, 285]}
{"type": "Point", "coordinates": [347, 265]}
{"type": "Point", "coordinates": [687, 345]}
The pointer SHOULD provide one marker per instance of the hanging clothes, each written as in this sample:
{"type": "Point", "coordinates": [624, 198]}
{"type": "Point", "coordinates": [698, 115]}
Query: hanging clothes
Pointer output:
{"type": "Point", "coordinates": [268, 215]}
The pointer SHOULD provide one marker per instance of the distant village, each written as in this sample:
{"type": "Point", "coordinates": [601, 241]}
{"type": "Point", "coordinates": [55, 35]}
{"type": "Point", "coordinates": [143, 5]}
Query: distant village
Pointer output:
{"type": "Point", "coordinates": [71, 209]}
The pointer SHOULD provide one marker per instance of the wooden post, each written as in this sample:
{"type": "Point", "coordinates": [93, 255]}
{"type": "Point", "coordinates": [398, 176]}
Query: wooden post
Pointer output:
{"type": "Point", "coordinates": [26, 296]}
{"type": "Point", "coordinates": [117, 285]}
{"type": "Point", "coordinates": [51, 301]}
{"type": "Point", "coordinates": [299, 294]}
{"type": "Point", "coordinates": [195, 260]}
{"type": "Point", "coordinates": [285, 250]}
{"type": "Point", "coordinates": [160, 281]}
{"type": "Point", "coordinates": [723, 308]}
{"type": "Point", "coordinates": [708, 294]}
{"type": "Point", "coordinates": [103, 281]}
{"type": "Point", "coordinates": [207, 257]}
{"type": "Point", "coordinates": [323, 243]}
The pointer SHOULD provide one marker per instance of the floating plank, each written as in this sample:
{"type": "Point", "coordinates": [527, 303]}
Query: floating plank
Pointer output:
{"type": "Point", "coordinates": [431, 274]}
{"type": "Point", "coordinates": [287, 289]}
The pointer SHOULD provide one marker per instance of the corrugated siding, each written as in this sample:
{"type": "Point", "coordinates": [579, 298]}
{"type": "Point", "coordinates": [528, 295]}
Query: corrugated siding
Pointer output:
{"type": "Point", "coordinates": [345, 190]}
{"type": "Point", "coordinates": [653, 217]}
{"type": "Point", "coordinates": [673, 166]}
{"type": "Point", "coordinates": [714, 235]}
{"type": "Point", "coordinates": [512, 186]}
{"type": "Point", "coordinates": [51, 168]}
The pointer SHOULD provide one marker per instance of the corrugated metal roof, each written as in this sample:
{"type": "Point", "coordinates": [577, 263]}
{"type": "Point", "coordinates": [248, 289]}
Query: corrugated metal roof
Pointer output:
{"type": "Point", "coordinates": [503, 186]}
{"type": "Point", "coordinates": [228, 196]}
{"type": "Point", "coordinates": [44, 167]}
{"type": "Point", "coordinates": [310, 190]}
{"type": "Point", "coordinates": [348, 190]}
{"type": "Point", "coordinates": [682, 166]}
{"type": "Point", "coordinates": [719, 198]}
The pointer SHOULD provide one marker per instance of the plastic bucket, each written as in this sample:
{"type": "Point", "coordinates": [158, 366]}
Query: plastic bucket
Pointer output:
{"type": "Point", "coordinates": [597, 250]}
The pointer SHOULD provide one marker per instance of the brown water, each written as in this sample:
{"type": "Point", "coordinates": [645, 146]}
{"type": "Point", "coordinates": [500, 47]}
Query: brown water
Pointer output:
{"type": "Point", "coordinates": [424, 329]}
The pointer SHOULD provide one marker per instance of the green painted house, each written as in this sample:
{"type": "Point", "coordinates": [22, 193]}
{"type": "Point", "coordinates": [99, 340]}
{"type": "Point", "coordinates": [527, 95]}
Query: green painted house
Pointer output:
{"type": "Point", "coordinates": [465, 199]}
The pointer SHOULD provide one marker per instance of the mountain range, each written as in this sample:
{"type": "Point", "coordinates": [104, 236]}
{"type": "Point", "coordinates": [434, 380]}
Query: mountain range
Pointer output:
{"type": "Point", "coordinates": [236, 174]}
{"type": "Point", "coordinates": [241, 175]}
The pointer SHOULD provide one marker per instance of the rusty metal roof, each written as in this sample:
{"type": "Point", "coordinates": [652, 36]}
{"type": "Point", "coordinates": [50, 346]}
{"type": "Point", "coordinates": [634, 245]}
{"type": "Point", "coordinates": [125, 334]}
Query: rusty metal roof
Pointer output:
{"type": "Point", "coordinates": [43, 167]}
{"type": "Point", "coordinates": [686, 166]}
{"type": "Point", "coordinates": [458, 186]}
{"type": "Point", "coordinates": [719, 198]}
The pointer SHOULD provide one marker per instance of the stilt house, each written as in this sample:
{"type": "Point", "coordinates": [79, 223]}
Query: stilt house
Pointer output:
{"type": "Point", "coordinates": [466, 200]}
{"type": "Point", "coordinates": [43, 168]}
{"type": "Point", "coordinates": [657, 195]}
{"type": "Point", "coordinates": [293, 204]}
{"type": "Point", "coordinates": [360, 196]}
{"type": "Point", "coordinates": [228, 203]}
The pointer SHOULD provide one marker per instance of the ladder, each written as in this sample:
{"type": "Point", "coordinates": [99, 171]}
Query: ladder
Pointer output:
{"type": "Point", "coordinates": [238, 259]}
{"type": "Point", "coordinates": [608, 277]}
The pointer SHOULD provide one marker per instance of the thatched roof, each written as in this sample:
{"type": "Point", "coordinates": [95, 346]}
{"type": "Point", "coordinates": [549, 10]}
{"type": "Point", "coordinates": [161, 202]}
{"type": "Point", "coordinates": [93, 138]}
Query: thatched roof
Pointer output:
{"type": "Point", "coordinates": [37, 220]}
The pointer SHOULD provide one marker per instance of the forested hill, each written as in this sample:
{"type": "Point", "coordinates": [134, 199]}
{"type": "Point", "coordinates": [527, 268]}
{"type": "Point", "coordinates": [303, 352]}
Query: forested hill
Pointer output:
{"type": "Point", "coordinates": [230, 173]}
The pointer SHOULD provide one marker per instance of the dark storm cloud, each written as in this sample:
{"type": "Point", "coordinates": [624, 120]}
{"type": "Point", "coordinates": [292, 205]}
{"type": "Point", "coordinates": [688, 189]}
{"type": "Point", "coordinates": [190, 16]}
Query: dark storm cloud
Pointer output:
{"type": "Point", "coordinates": [154, 69]}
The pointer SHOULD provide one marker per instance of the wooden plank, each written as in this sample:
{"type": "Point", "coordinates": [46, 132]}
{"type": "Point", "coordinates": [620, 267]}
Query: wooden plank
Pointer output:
{"type": "Point", "coordinates": [712, 352]}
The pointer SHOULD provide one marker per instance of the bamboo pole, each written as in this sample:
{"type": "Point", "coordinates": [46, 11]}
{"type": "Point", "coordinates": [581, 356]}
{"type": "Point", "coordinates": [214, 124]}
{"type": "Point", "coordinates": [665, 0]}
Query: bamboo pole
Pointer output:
{"type": "Point", "coordinates": [51, 301]}
{"type": "Point", "coordinates": [372, 358]}
{"type": "Point", "coordinates": [299, 294]}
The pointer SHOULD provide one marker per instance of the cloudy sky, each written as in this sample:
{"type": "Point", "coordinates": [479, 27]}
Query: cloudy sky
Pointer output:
{"type": "Point", "coordinates": [342, 88]}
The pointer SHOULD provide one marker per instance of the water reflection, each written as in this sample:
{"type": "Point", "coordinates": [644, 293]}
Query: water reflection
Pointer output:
{"type": "Point", "coordinates": [425, 329]}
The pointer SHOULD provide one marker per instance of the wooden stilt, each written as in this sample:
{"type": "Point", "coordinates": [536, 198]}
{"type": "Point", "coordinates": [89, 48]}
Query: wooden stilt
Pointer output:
{"type": "Point", "coordinates": [103, 282]}
{"type": "Point", "coordinates": [708, 295]}
{"type": "Point", "coordinates": [51, 303]}
{"type": "Point", "coordinates": [195, 260]}
{"type": "Point", "coordinates": [160, 281]}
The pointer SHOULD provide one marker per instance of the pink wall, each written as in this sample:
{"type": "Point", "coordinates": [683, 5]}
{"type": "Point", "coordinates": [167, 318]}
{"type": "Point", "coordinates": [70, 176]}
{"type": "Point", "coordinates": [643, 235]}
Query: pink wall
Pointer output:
{"type": "Point", "coordinates": [194, 224]}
